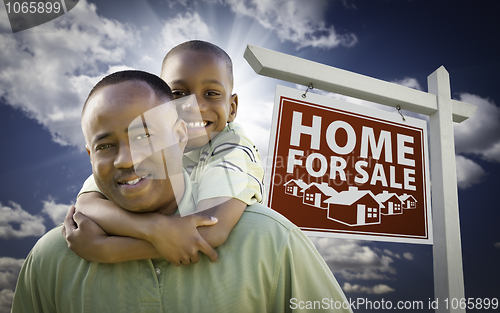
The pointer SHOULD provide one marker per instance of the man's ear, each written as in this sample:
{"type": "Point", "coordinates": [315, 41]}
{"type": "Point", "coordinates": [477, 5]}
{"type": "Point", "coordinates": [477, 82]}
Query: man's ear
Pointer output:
{"type": "Point", "coordinates": [233, 108]}
{"type": "Point", "coordinates": [88, 152]}
{"type": "Point", "coordinates": [180, 133]}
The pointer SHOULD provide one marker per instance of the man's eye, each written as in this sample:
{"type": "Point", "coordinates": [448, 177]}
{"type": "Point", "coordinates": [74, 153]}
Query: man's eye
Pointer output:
{"type": "Point", "coordinates": [142, 136]}
{"type": "Point", "coordinates": [102, 147]}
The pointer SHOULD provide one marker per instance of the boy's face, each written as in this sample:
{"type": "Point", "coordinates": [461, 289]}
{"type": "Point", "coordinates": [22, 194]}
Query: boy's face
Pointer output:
{"type": "Point", "coordinates": [206, 76]}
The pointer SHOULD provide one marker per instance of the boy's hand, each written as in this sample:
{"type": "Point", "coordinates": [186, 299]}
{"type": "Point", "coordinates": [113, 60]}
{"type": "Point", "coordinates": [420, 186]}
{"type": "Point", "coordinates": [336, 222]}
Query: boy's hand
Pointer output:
{"type": "Point", "coordinates": [84, 237]}
{"type": "Point", "coordinates": [177, 238]}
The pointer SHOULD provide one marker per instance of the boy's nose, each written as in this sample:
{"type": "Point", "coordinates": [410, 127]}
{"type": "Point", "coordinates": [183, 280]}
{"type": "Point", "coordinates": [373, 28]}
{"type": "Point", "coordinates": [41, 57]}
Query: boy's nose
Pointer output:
{"type": "Point", "coordinates": [194, 104]}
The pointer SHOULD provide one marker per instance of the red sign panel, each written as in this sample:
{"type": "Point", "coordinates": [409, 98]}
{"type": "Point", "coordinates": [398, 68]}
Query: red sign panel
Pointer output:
{"type": "Point", "coordinates": [339, 169]}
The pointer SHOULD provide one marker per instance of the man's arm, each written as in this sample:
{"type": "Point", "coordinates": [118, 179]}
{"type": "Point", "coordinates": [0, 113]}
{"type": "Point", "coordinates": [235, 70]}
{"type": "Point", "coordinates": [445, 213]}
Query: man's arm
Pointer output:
{"type": "Point", "coordinates": [306, 277]}
{"type": "Point", "coordinates": [28, 296]}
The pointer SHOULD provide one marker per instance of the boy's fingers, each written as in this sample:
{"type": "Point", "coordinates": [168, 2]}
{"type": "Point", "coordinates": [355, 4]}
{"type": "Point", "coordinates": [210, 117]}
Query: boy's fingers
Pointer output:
{"type": "Point", "coordinates": [208, 250]}
{"type": "Point", "coordinates": [79, 218]}
{"type": "Point", "coordinates": [195, 258]}
{"type": "Point", "coordinates": [202, 220]}
{"type": "Point", "coordinates": [68, 220]}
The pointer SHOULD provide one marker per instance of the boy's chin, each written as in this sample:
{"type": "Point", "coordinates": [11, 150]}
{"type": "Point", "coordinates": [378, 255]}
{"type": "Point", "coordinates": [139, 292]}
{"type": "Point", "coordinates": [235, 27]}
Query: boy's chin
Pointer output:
{"type": "Point", "coordinates": [196, 142]}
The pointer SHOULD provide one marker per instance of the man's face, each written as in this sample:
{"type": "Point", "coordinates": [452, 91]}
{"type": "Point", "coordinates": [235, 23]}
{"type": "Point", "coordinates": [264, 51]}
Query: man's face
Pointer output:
{"type": "Point", "coordinates": [106, 123]}
{"type": "Point", "coordinates": [207, 77]}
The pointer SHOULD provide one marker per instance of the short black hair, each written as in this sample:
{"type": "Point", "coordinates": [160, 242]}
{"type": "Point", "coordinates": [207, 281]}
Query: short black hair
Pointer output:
{"type": "Point", "coordinates": [205, 47]}
{"type": "Point", "coordinates": [160, 88]}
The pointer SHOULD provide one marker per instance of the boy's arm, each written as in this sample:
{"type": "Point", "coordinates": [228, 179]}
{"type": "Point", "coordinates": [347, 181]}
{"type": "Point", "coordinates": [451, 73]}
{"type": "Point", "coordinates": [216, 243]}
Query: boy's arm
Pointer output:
{"type": "Point", "coordinates": [90, 242]}
{"type": "Point", "coordinates": [176, 239]}
{"type": "Point", "coordinates": [227, 210]}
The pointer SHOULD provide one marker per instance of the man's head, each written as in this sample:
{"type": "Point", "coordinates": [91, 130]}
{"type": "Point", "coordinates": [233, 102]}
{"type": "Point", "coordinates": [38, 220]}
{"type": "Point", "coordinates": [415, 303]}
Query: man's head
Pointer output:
{"type": "Point", "coordinates": [109, 123]}
{"type": "Point", "coordinates": [202, 69]}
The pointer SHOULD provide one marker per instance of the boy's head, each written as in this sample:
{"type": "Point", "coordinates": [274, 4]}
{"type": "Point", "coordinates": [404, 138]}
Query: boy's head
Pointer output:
{"type": "Point", "coordinates": [202, 69]}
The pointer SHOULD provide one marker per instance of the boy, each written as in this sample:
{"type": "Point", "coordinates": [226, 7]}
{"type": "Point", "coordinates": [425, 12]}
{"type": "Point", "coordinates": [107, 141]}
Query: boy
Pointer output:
{"type": "Point", "coordinates": [219, 158]}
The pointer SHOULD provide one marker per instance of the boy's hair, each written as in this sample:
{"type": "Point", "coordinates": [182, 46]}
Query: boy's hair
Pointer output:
{"type": "Point", "coordinates": [160, 88]}
{"type": "Point", "coordinates": [205, 47]}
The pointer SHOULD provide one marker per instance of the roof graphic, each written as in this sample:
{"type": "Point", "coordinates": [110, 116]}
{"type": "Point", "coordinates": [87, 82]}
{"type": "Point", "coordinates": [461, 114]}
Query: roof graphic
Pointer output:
{"type": "Point", "coordinates": [350, 196]}
{"type": "Point", "coordinates": [323, 187]}
{"type": "Point", "coordinates": [299, 183]}
{"type": "Point", "coordinates": [382, 197]}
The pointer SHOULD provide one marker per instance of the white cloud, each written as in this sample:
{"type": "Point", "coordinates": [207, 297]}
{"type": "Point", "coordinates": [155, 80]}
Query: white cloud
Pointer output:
{"type": "Point", "coordinates": [408, 256]}
{"type": "Point", "coordinates": [9, 271]}
{"type": "Point", "coordinates": [480, 134]}
{"type": "Point", "coordinates": [408, 82]}
{"type": "Point", "coordinates": [390, 253]}
{"type": "Point", "coordinates": [183, 28]}
{"type": "Point", "coordinates": [55, 211]}
{"type": "Point", "coordinates": [47, 71]}
{"type": "Point", "coordinates": [17, 223]}
{"type": "Point", "coordinates": [468, 172]}
{"type": "Point", "coordinates": [304, 25]}
{"type": "Point", "coordinates": [353, 261]}
{"type": "Point", "coordinates": [6, 297]}
{"type": "Point", "coordinates": [377, 289]}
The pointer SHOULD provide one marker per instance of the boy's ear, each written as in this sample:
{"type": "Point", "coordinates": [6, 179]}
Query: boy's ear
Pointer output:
{"type": "Point", "coordinates": [180, 133]}
{"type": "Point", "coordinates": [233, 108]}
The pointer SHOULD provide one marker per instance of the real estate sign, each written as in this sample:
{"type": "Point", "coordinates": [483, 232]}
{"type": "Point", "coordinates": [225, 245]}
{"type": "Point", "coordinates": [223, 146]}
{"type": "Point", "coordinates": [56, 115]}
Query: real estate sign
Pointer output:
{"type": "Point", "coordinates": [339, 169]}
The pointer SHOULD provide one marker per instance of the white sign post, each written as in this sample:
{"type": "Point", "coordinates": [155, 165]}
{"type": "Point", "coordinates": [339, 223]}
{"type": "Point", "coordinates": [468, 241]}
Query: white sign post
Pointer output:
{"type": "Point", "coordinates": [442, 112]}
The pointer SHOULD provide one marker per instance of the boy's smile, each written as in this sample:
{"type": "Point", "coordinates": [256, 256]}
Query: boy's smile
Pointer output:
{"type": "Point", "coordinates": [207, 77]}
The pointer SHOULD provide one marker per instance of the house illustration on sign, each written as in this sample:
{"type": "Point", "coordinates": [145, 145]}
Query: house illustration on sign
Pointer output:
{"type": "Point", "coordinates": [354, 207]}
{"type": "Point", "coordinates": [316, 194]}
{"type": "Point", "coordinates": [294, 187]}
{"type": "Point", "coordinates": [391, 201]}
{"type": "Point", "coordinates": [409, 201]}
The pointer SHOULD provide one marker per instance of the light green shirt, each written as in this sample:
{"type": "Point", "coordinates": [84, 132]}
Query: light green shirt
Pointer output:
{"type": "Point", "coordinates": [228, 166]}
{"type": "Point", "coordinates": [266, 265]}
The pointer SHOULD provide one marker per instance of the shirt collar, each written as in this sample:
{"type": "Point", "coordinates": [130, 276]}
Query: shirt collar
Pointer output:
{"type": "Point", "coordinates": [187, 204]}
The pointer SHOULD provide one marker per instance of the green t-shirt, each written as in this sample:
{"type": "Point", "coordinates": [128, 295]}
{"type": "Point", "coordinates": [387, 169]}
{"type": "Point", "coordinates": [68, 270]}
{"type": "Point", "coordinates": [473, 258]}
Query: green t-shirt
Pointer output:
{"type": "Point", "coordinates": [266, 265]}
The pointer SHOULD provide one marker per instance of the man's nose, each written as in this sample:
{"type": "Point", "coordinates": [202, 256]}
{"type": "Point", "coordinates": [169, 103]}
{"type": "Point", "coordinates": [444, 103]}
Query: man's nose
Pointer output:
{"type": "Point", "coordinates": [124, 157]}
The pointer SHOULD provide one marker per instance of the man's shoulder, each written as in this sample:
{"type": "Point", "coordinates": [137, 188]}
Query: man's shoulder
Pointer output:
{"type": "Point", "coordinates": [50, 246]}
{"type": "Point", "coordinates": [259, 214]}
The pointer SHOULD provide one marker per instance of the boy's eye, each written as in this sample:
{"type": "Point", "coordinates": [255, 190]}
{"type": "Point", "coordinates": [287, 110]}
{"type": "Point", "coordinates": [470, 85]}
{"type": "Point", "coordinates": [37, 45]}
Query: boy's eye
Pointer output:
{"type": "Point", "coordinates": [179, 93]}
{"type": "Point", "coordinates": [212, 93]}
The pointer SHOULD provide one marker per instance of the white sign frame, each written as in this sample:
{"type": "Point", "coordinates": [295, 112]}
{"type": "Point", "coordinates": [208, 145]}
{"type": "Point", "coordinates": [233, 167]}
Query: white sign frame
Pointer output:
{"type": "Point", "coordinates": [442, 112]}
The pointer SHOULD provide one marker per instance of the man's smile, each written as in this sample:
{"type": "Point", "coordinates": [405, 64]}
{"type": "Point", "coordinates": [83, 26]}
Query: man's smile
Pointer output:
{"type": "Point", "coordinates": [133, 181]}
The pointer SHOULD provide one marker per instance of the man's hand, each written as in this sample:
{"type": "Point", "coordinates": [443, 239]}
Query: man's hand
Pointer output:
{"type": "Point", "coordinates": [84, 237]}
{"type": "Point", "coordinates": [177, 238]}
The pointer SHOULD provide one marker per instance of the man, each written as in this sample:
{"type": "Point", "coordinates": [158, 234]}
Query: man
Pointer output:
{"type": "Point", "coordinates": [266, 265]}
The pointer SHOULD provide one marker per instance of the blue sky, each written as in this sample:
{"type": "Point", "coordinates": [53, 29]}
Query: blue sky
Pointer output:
{"type": "Point", "coordinates": [46, 73]}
